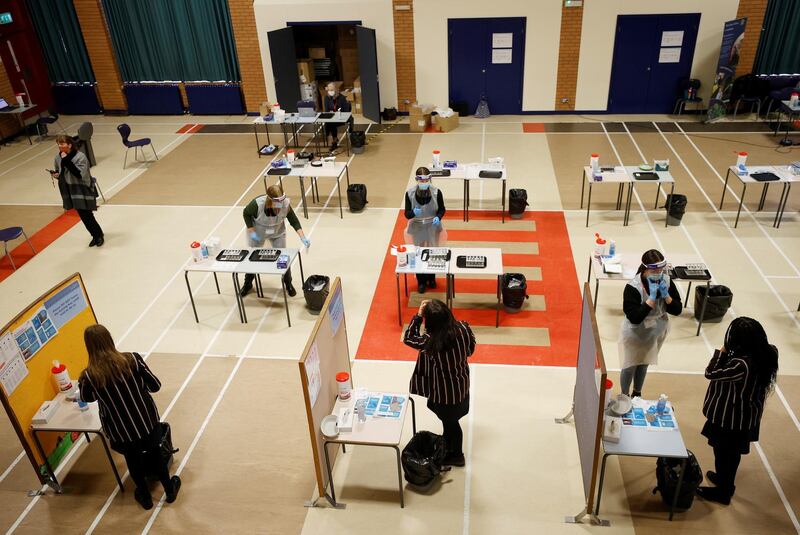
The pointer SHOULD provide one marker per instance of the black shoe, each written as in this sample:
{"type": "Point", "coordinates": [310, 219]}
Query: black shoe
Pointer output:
{"type": "Point", "coordinates": [100, 241]}
{"type": "Point", "coordinates": [176, 486]}
{"type": "Point", "coordinates": [290, 289]}
{"type": "Point", "coordinates": [247, 287]}
{"type": "Point", "coordinates": [143, 497]}
{"type": "Point", "coordinates": [432, 283]}
{"type": "Point", "coordinates": [334, 146]}
{"type": "Point", "coordinates": [93, 242]}
{"type": "Point", "coordinates": [636, 394]}
{"type": "Point", "coordinates": [714, 494]}
{"type": "Point", "coordinates": [714, 478]}
{"type": "Point", "coordinates": [454, 460]}
{"type": "Point", "coordinates": [421, 288]}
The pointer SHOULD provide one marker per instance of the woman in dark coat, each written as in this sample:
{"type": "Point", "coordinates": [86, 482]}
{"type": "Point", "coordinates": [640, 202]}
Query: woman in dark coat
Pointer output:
{"type": "Point", "coordinates": [742, 374]}
{"type": "Point", "coordinates": [76, 186]}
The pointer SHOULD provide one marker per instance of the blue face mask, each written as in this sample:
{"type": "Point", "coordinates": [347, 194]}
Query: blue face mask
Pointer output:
{"type": "Point", "coordinates": [423, 185]}
{"type": "Point", "coordinates": [655, 279]}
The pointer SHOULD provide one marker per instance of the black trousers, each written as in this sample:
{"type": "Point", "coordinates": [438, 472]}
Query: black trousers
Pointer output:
{"type": "Point", "coordinates": [451, 429]}
{"type": "Point", "coordinates": [287, 277]}
{"type": "Point", "coordinates": [144, 458]}
{"type": "Point", "coordinates": [91, 224]}
{"type": "Point", "coordinates": [726, 463]}
{"type": "Point", "coordinates": [332, 129]}
{"type": "Point", "coordinates": [425, 278]}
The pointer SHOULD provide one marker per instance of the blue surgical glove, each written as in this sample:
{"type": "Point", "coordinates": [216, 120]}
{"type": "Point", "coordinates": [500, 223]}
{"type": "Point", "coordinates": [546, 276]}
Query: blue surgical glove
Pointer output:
{"type": "Point", "coordinates": [663, 288]}
{"type": "Point", "coordinates": [306, 242]}
{"type": "Point", "coordinates": [436, 221]}
{"type": "Point", "coordinates": [254, 237]}
{"type": "Point", "coordinates": [417, 211]}
{"type": "Point", "coordinates": [653, 291]}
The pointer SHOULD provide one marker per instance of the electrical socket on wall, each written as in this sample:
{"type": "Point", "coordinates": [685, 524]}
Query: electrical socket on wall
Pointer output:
{"type": "Point", "coordinates": [564, 100]}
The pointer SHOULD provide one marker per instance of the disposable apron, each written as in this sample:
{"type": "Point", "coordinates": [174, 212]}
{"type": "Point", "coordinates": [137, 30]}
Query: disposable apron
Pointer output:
{"type": "Point", "coordinates": [272, 228]}
{"type": "Point", "coordinates": [421, 228]}
{"type": "Point", "coordinates": [640, 344]}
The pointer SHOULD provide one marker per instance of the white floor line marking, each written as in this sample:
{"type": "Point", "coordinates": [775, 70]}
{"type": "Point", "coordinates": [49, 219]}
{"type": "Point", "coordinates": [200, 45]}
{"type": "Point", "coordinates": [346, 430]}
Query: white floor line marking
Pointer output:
{"type": "Point", "coordinates": [468, 456]}
{"type": "Point", "coordinates": [13, 464]}
{"type": "Point", "coordinates": [20, 164]}
{"type": "Point", "coordinates": [786, 405]}
{"type": "Point", "coordinates": [782, 276]}
{"type": "Point", "coordinates": [778, 487]}
{"type": "Point", "coordinates": [39, 143]}
{"type": "Point", "coordinates": [744, 206]}
{"type": "Point", "coordinates": [145, 165]}
{"type": "Point", "coordinates": [157, 508]}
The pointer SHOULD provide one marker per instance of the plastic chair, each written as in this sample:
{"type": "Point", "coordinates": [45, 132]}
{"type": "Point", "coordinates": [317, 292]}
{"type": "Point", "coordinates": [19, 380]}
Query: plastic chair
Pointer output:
{"type": "Point", "coordinates": [43, 122]}
{"type": "Point", "coordinates": [688, 94]}
{"type": "Point", "coordinates": [125, 131]}
{"type": "Point", "coordinates": [748, 89]}
{"type": "Point", "coordinates": [12, 233]}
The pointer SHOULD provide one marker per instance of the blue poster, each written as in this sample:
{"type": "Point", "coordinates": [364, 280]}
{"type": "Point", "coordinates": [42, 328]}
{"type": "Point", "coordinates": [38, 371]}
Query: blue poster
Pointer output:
{"type": "Point", "coordinates": [66, 304]}
{"type": "Point", "coordinates": [732, 38]}
{"type": "Point", "coordinates": [336, 310]}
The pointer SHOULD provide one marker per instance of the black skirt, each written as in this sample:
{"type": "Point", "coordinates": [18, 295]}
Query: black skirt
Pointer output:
{"type": "Point", "coordinates": [447, 411]}
{"type": "Point", "coordinates": [729, 438]}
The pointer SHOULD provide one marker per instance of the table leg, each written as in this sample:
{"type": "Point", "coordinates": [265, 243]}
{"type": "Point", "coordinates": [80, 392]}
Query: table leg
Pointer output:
{"type": "Point", "coordinates": [399, 477]}
{"type": "Point", "coordinates": [688, 293]}
{"type": "Point", "coordinates": [286, 302]}
{"type": "Point", "coordinates": [596, 292]}
{"type": "Point", "coordinates": [259, 287]}
{"type": "Point", "coordinates": [763, 196]}
{"type": "Point", "coordinates": [464, 201]}
{"type": "Point", "coordinates": [787, 187]}
{"type": "Point", "coordinates": [266, 131]}
{"type": "Point", "coordinates": [339, 190]}
{"type": "Point", "coordinates": [111, 460]}
{"type": "Point", "coordinates": [347, 135]}
{"type": "Point", "coordinates": [669, 204]}
{"type": "Point", "coordinates": [303, 195]}
{"type": "Point", "coordinates": [741, 201]}
{"type": "Point", "coordinates": [583, 186]}
{"type": "Point", "coordinates": [677, 490]}
{"type": "Point", "coordinates": [300, 260]}
{"type": "Point", "coordinates": [331, 488]}
{"type": "Point", "coordinates": [600, 485]}
{"type": "Point", "coordinates": [503, 212]}
{"type": "Point", "coordinates": [703, 309]}
{"type": "Point", "coordinates": [285, 136]}
{"type": "Point", "coordinates": [724, 188]}
{"type": "Point", "coordinates": [239, 299]}
{"type": "Point", "coordinates": [628, 205]}
{"type": "Point", "coordinates": [413, 414]}
{"type": "Point", "coordinates": [405, 283]}
{"type": "Point", "coordinates": [658, 192]}
{"type": "Point", "coordinates": [258, 147]}
{"type": "Point", "coordinates": [191, 297]}
{"type": "Point", "coordinates": [399, 313]}
{"type": "Point", "coordinates": [619, 195]}
{"type": "Point", "coordinates": [54, 484]}
{"type": "Point", "coordinates": [588, 204]}
{"type": "Point", "coordinates": [467, 199]}
{"type": "Point", "coordinates": [347, 174]}
{"type": "Point", "coordinates": [497, 316]}
{"type": "Point", "coordinates": [216, 281]}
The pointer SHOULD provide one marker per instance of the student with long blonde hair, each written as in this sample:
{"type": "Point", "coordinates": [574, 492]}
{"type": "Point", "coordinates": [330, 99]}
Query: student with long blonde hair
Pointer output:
{"type": "Point", "coordinates": [121, 384]}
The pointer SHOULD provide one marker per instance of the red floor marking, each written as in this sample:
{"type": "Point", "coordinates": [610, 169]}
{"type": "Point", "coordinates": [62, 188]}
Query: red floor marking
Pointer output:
{"type": "Point", "coordinates": [185, 128]}
{"type": "Point", "coordinates": [509, 235]}
{"type": "Point", "coordinates": [41, 239]}
{"type": "Point", "coordinates": [196, 128]}
{"type": "Point", "coordinates": [381, 337]}
{"type": "Point", "coordinates": [533, 128]}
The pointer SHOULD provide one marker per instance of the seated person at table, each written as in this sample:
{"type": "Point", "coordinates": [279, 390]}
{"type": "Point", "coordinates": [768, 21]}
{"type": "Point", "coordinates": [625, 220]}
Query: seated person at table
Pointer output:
{"type": "Point", "coordinates": [335, 101]}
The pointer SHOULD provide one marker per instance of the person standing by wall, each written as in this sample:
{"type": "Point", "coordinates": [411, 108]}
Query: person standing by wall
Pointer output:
{"type": "Point", "coordinates": [741, 375]}
{"type": "Point", "coordinates": [647, 301]}
{"type": "Point", "coordinates": [424, 209]}
{"type": "Point", "coordinates": [76, 186]}
{"type": "Point", "coordinates": [442, 373]}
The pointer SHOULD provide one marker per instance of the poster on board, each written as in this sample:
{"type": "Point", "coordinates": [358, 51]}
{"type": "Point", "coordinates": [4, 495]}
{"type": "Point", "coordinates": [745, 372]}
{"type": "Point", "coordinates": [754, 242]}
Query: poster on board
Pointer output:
{"type": "Point", "coordinates": [670, 55]}
{"type": "Point", "coordinates": [501, 55]}
{"type": "Point", "coordinates": [12, 365]}
{"type": "Point", "coordinates": [66, 304]}
{"type": "Point", "coordinates": [35, 333]}
{"type": "Point", "coordinates": [502, 40]}
{"type": "Point", "coordinates": [336, 310]}
{"type": "Point", "coordinates": [732, 37]}
{"type": "Point", "coordinates": [313, 374]}
{"type": "Point", "coordinates": [672, 38]}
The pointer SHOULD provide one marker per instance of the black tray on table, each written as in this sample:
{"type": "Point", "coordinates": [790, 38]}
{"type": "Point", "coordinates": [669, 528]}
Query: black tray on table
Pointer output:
{"type": "Point", "coordinates": [265, 255]}
{"type": "Point", "coordinates": [232, 255]}
{"type": "Point", "coordinates": [279, 171]}
{"type": "Point", "coordinates": [682, 272]}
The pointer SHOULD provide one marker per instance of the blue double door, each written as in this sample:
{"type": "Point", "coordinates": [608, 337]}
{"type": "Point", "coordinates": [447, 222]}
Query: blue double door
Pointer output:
{"type": "Point", "coordinates": [648, 64]}
{"type": "Point", "coordinates": [486, 58]}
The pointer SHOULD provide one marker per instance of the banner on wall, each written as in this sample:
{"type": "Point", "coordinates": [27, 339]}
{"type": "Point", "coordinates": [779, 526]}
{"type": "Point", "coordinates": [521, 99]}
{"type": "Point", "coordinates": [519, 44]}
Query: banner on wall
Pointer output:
{"type": "Point", "coordinates": [732, 38]}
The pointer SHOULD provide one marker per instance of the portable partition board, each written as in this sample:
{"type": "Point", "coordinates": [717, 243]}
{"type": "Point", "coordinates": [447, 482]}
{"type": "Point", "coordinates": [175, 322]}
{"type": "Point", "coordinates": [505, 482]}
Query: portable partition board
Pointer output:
{"type": "Point", "coordinates": [326, 354]}
{"type": "Point", "coordinates": [589, 402]}
{"type": "Point", "coordinates": [50, 328]}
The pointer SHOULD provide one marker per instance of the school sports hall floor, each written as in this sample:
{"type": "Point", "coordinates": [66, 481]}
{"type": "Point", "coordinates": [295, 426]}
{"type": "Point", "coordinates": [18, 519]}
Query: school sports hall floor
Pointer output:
{"type": "Point", "coordinates": [231, 391]}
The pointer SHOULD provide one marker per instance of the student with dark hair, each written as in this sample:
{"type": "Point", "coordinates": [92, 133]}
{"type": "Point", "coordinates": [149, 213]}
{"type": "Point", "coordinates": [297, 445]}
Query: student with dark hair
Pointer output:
{"type": "Point", "coordinates": [122, 384]}
{"type": "Point", "coordinates": [741, 375]}
{"type": "Point", "coordinates": [442, 373]}
{"type": "Point", "coordinates": [648, 299]}
{"type": "Point", "coordinates": [424, 209]}
{"type": "Point", "coordinates": [76, 187]}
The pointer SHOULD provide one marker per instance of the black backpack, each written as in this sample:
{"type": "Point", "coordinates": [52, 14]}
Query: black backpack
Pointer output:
{"type": "Point", "coordinates": [667, 473]}
{"type": "Point", "coordinates": [389, 114]}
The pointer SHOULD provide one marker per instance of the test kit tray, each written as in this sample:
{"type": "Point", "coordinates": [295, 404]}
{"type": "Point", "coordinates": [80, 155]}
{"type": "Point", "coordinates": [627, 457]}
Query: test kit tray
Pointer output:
{"type": "Point", "coordinates": [440, 172]}
{"type": "Point", "coordinates": [232, 255]}
{"type": "Point", "coordinates": [685, 273]}
{"type": "Point", "coordinates": [476, 262]}
{"type": "Point", "coordinates": [279, 171]}
{"type": "Point", "coordinates": [647, 175]}
{"type": "Point", "coordinates": [326, 115]}
{"type": "Point", "coordinates": [265, 255]}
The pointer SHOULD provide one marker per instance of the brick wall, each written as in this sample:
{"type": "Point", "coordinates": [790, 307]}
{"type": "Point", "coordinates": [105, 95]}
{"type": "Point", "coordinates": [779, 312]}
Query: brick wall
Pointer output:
{"type": "Point", "coordinates": [569, 50]}
{"type": "Point", "coordinates": [243, 20]}
{"type": "Point", "coordinates": [404, 53]}
{"type": "Point", "coordinates": [754, 10]}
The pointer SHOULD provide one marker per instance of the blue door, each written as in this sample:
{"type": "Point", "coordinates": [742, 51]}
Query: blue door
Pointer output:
{"type": "Point", "coordinates": [486, 57]}
{"type": "Point", "coordinates": [652, 54]}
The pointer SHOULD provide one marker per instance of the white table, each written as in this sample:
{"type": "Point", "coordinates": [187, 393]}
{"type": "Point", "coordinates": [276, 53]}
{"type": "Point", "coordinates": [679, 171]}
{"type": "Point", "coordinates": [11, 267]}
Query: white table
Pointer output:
{"type": "Point", "coordinates": [312, 172]}
{"type": "Point", "coordinates": [69, 419]}
{"type": "Point", "coordinates": [630, 263]}
{"type": "Point", "coordinates": [618, 176]}
{"type": "Point", "coordinates": [664, 177]}
{"type": "Point", "coordinates": [245, 266]}
{"type": "Point", "coordinates": [470, 172]}
{"type": "Point", "coordinates": [293, 120]}
{"type": "Point", "coordinates": [18, 111]}
{"type": "Point", "coordinates": [338, 117]}
{"type": "Point", "coordinates": [380, 432]}
{"type": "Point", "coordinates": [782, 172]}
{"type": "Point", "coordinates": [421, 268]}
{"type": "Point", "coordinates": [643, 442]}
{"type": "Point", "coordinates": [494, 266]}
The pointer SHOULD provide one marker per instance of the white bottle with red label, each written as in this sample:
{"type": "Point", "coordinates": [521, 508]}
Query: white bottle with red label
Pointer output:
{"type": "Point", "coordinates": [61, 377]}
{"type": "Point", "coordinates": [793, 99]}
{"type": "Point", "coordinates": [437, 162]}
{"type": "Point", "coordinates": [599, 245]}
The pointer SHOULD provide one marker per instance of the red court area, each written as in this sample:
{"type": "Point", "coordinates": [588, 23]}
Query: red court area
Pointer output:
{"type": "Point", "coordinates": [382, 335]}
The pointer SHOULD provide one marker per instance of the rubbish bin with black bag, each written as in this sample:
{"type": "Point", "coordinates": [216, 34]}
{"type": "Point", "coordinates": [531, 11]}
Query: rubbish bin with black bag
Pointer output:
{"type": "Point", "coordinates": [667, 473]}
{"type": "Point", "coordinates": [422, 458]}
{"type": "Point", "coordinates": [514, 291]}
{"type": "Point", "coordinates": [720, 299]}
{"type": "Point", "coordinates": [357, 197]}
{"type": "Point", "coordinates": [315, 290]}
{"type": "Point", "coordinates": [675, 209]}
{"type": "Point", "coordinates": [389, 114]}
{"type": "Point", "coordinates": [358, 138]}
{"type": "Point", "coordinates": [517, 201]}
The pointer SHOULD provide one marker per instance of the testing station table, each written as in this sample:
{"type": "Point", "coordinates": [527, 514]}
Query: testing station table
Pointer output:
{"type": "Point", "coordinates": [17, 112]}
{"type": "Point", "coordinates": [293, 120]}
{"type": "Point", "coordinates": [622, 176]}
{"type": "Point", "coordinates": [785, 176]}
{"type": "Point", "coordinates": [470, 172]}
{"type": "Point", "coordinates": [313, 172]}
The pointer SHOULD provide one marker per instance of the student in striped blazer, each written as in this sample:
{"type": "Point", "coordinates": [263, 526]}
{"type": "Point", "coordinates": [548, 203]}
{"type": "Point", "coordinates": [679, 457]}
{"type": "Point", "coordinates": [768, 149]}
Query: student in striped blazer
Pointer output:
{"type": "Point", "coordinates": [742, 374]}
{"type": "Point", "coordinates": [121, 384]}
{"type": "Point", "coordinates": [442, 373]}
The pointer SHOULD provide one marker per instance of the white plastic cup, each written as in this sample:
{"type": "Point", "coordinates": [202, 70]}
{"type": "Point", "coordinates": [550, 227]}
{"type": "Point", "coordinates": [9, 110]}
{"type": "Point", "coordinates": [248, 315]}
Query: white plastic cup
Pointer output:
{"type": "Point", "coordinates": [343, 384]}
{"type": "Point", "coordinates": [741, 159]}
{"type": "Point", "coordinates": [21, 100]}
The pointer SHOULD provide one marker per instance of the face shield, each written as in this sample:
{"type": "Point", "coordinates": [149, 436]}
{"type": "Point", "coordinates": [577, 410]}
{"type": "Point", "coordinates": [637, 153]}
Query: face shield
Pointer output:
{"type": "Point", "coordinates": [423, 182]}
{"type": "Point", "coordinates": [277, 202]}
{"type": "Point", "coordinates": [656, 270]}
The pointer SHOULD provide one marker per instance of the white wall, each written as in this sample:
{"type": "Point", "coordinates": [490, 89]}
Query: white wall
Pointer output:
{"type": "Point", "coordinates": [542, 32]}
{"type": "Point", "coordinates": [597, 42]}
{"type": "Point", "coordinates": [375, 14]}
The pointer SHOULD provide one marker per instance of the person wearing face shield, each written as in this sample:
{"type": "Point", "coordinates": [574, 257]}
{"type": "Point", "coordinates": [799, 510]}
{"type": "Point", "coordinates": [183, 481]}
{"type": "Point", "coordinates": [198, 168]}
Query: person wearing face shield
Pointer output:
{"type": "Point", "coordinates": [335, 101]}
{"type": "Point", "coordinates": [424, 209]}
{"type": "Point", "coordinates": [264, 218]}
{"type": "Point", "coordinates": [649, 298]}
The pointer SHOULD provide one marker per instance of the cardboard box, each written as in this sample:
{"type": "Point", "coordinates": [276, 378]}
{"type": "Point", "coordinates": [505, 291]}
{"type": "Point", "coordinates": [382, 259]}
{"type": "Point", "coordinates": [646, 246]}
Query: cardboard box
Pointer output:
{"type": "Point", "coordinates": [316, 53]}
{"type": "Point", "coordinates": [305, 67]}
{"type": "Point", "coordinates": [419, 122]}
{"type": "Point", "coordinates": [420, 109]}
{"type": "Point", "coordinates": [265, 108]}
{"type": "Point", "coordinates": [446, 124]}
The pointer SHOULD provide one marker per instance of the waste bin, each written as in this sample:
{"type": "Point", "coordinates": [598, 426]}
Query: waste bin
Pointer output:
{"type": "Point", "coordinates": [357, 197]}
{"type": "Point", "coordinates": [517, 201]}
{"type": "Point", "coordinates": [720, 299]}
{"type": "Point", "coordinates": [422, 458]}
{"type": "Point", "coordinates": [315, 290]}
{"type": "Point", "coordinates": [667, 474]}
{"type": "Point", "coordinates": [358, 138]}
{"type": "Point", "coordinates": [514, 289]}
{"type": "Point", "coordinates": [675, 209]}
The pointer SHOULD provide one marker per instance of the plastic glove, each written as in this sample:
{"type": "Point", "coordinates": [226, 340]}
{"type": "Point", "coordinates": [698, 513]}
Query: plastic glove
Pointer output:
{"type": "Point", "coordinates": [663, 288]}
{"type": "Point", "coordinates": [653, 291]}
{"type": "Point", "coordinates": [253, 237]}
{"type": "Point", "coordinates": [436, 221]}
{"type": "Point", "coordinates": [306, 242]}
{"type": "Point", "coordinates": [417, 211]}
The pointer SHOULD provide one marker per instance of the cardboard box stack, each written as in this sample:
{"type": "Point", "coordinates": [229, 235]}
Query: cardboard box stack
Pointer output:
{"type": "Point", "coordinates": [348, 65]}
{"type": "Point", "coordinates": [305, 68]}
{"type": "Point", "coordinates": [419, 117]}
{"type": "Point", "coordinates": [446, 124]}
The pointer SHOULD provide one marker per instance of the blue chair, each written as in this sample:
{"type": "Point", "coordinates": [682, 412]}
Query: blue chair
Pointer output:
{"type": "Point", "coordinates": [43, 122]}
{"type": "Point", "coordinates": [12, 233]}
{"type": "Point", "coordinates": [125, 131]}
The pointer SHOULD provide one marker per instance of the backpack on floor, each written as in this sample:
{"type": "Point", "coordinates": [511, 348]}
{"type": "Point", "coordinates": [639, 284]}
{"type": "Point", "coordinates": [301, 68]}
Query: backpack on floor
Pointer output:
{"type": "Point", "coordinates": [667, 473]}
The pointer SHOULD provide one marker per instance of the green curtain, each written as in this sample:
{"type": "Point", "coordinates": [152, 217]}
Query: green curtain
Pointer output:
{"type": "Point", "coordinates": [779, 47]}
{"type": "Point", "coordinates": [173, 40]}
{"type": "Point", "coordinates": [62, 41]}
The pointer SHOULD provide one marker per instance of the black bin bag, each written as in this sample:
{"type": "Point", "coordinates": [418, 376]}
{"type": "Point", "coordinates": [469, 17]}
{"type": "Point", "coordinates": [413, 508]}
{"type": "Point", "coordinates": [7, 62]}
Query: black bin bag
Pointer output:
{"type": "Point", "coordinates": [422, 458]}
{"type": "Point", "coordinates": [676, 208]}
{"type": "Point", "coordinates": [315, 290]}
{"type": "Point", "coordinates": [357, 197]}
{"type": "Point", "coordinates": [720, 299]}
{"type": "Point", "coordinates": [514, 291]}
{"type": "Point", "coordinates": [517, 201]}
{"type": "Point", "coordinates": [667, 473]}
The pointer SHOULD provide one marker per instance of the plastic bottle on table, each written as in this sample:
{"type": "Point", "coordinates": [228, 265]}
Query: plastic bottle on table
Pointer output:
{"type": "Point", "coordinates": [437, 159]}
{"type": "Point", "coordinates": [612, 248]}
{"type": "Point", "coordinates": [662, 404]}
{"type": "Point", "coordinates": [61, 376]}
{"type": "Point", "coordinates": [412, 258]}
{"type": "Point", "coordinates": [594, 163]}
{"type": "Point", "coordinates": [599, 245]}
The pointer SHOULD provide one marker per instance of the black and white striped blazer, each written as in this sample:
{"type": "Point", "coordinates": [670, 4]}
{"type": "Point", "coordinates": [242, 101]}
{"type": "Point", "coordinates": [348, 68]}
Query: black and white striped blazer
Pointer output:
{"type": "Point", "coordinates": [734, 399]}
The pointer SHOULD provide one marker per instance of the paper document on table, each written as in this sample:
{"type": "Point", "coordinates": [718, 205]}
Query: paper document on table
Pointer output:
{"type": "Point", "coordinates": [644, 415]}
{"type": "Point", "coordinates": [390, 406]}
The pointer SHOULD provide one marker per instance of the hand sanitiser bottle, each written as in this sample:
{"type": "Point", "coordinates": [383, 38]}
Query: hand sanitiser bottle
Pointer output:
{"type": "Point", "coordinates": [662, 404]}
{"type": "Point", "coordinates": [61, 376]}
